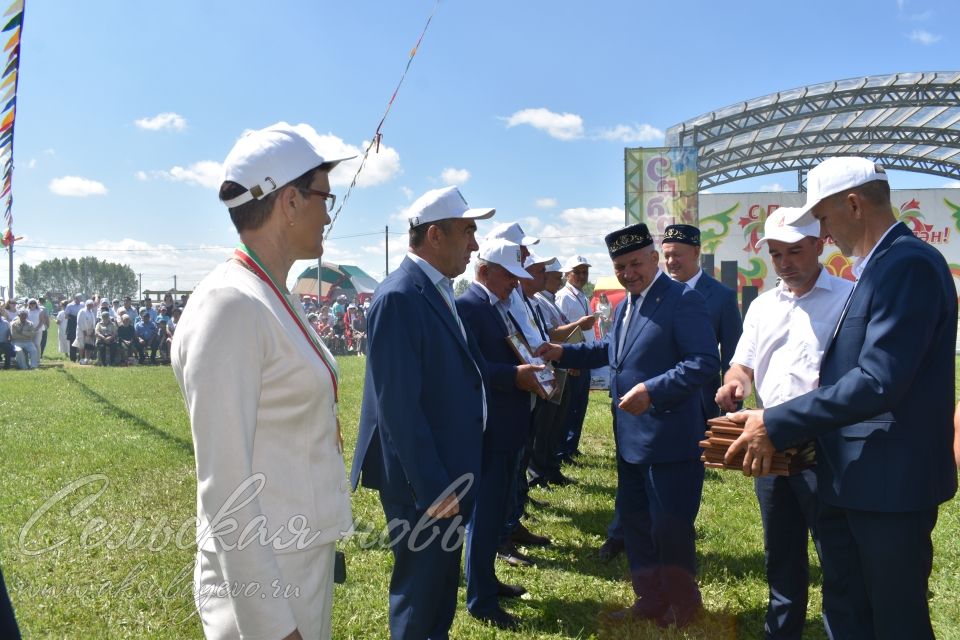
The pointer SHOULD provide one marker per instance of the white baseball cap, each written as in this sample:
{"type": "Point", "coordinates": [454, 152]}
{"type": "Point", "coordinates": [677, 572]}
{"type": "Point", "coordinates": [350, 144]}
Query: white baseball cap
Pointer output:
{"type": "Point", "coordinates": [554, 266]}
{"type": "Point", "coordinates": [835, 175]}
{"type": "Point", "coordinates": [513, 232]}
{"type": "Point", "coordinates": [573, 262]}
{"type": "Point", "coordinates": [443, 204]}
{"type": "Point", "coordinates": [265, 160]}
{"type": "Point", "coordinates": [533, 259]}
{"type": "Point", "coordinates": [504, 253]}
{"type": "Point", "coordinates": [777, 228]}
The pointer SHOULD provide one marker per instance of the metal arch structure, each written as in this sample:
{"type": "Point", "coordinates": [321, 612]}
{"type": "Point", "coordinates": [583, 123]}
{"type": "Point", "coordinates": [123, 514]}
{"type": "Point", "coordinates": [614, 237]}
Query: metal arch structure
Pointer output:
{"type": "Point", "coordinates": [906, 121]}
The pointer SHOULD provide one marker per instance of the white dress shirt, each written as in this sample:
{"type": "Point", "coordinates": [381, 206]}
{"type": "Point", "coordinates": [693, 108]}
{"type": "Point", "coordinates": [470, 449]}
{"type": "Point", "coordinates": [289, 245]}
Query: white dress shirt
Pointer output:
{"type": "Point", "coordinates": [784, 337]}
{"type": "Point", "coordinates": [575, 305]}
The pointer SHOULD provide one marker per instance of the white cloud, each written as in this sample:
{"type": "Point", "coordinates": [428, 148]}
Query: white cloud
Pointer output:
{"type": "Point", "coordinates": [775, 187]}
{"type": "Point", "coordinates": [631, 133]}
{"type": "Point", "coordinates": [562, 126]}
{"type": "Point", "coordinates": [381, 166]}
{"type": "Point", "coordinates": [451, 176]}
{"type": "Point", "coordinates": [924, 37]}
{"type": "Point", "coordinates": [921, 17]}
{"type": "Point", "coordinates": [581, 231]}
{"type": "Point", "coordinates": [77, 187]}
{"type": "Point", "coordinates": [900, 4]}
{"type": "Point", "coordinates": [546, 203]}
{"type": "Point", "coordinates": [166, 120]}
{"type": "Point", "coordinates": [205, 173]}
{"type": "Point", "coordinates": [407, 192]}
{"type": "Point", "coordinates": [49, 152]}
{"type": "Point", "coordinates": [952, 184]}
{"type": "Point", "coordinates": [32, 163]}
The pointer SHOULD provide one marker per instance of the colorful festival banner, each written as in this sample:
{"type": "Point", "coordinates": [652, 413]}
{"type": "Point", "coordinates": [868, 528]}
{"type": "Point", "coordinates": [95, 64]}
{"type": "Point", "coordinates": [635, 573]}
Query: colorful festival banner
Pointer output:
{"type": "Point", "coordinates": [13, 25]}
{"type": "Point", "coordinates": [731, 224]}
{"type": "Point", "coordinates": [661, 187]}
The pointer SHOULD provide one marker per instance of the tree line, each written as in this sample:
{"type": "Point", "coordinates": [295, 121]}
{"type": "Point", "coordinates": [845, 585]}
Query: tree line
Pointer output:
{"type": "Point", "coordinates": [68, 276]}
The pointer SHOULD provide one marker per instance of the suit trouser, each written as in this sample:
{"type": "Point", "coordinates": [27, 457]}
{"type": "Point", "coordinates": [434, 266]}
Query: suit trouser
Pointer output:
{"type": "Point", "coordinates": [519, 489]}
{"type": "Point", "coordinates": [426, 572]}
{"type": "Point", "coordinates": [579, 398]}
{"type": "Point", "coordinates": [658, 504]}
{"type": "Point", "coordinates": [494, 497]}
{"type": "Point", "coordinates": [788, 508]}
{"type": "Point", "coordinates": [8, 622]}
{"type": "Point", "coordinates": [548, 435]}
{"type": "Point", "coordinates": [876, 567]}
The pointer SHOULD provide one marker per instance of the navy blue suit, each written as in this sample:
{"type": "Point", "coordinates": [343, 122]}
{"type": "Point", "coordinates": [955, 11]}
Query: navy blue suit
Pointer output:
{"type": "Point", "coordinates": [883, 420]}
{"type": "Point", "coordinates": [727, 325]}
{"type": "Point", "coordinates": [508, 426]}
{"type": "Point", "coordinates": [671, 347]}
{"type": "Point", "coordinates": [421, 429]}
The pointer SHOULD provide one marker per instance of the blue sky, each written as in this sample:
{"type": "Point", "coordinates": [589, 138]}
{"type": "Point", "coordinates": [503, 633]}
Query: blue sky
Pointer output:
{"type": "Point", "coordinates": [126, 109]}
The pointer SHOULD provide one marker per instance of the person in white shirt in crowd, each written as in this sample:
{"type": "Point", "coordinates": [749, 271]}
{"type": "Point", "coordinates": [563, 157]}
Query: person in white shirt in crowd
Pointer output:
{"type": "Point", "coordinates": [63, 344]}
{"type": "Point", "coordinates": [784, 336]}
{"type": "Point", "coordinates": [86, 339]}
{"type": "Point", "coordinates": [38, 318]}
{"type": "Point", "coordinates": [574, 304]}
{"type": "Point", "coordinates": [23, 335]}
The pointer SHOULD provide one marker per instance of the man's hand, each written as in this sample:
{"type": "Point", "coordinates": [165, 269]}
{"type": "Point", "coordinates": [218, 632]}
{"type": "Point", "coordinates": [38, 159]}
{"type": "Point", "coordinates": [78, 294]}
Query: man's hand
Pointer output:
{"type": "Point", "coordinates": [730, 395]}
{"type": "Point", "coordinates": [446, 508]}
{"type": "Point", "coordinates": [587, 322]}
{"type": "Point", "coordinates": [754, 442]}
{"type": "Point", "coordinates": [635, 401]}
{"type": "Point", "coordinates": [526, 379]}
{"type": "Point", "coordinates": [549, 351]}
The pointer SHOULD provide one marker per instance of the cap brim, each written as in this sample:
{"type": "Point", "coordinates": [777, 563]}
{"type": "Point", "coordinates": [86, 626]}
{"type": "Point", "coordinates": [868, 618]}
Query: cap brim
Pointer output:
{"type": "Point", "coordinates": [330, 164]}
{"type": "Point", "coordinates": [478, 214]}
{"type": "Point", "coordinates": [518, 271]}
{"type": "Point", "coordinates": [789, 238]}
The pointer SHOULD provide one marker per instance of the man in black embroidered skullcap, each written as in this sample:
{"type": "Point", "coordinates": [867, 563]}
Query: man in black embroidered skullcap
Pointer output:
{"type": "Point", "coordinates": [681, 256]}
{"type": "Point", "coordinates": [661, 350]}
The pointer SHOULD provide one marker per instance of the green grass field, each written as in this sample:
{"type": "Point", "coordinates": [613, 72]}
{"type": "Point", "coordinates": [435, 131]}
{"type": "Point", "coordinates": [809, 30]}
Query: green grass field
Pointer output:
{"type": "Point", "coordinates": [112, 555]}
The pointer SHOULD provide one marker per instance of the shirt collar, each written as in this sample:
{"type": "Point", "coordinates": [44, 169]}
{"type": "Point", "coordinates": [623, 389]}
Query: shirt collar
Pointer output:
{"type": "Point", "coordinates": [491, 297]}
{"type": "Point", "coordinates": [435, 276]}
{"type": "Point", "coordinates": [692, 282]}
{"type": "Point", "coordinates": [861, 263]}
{"type": "Point", "coordinates": [655, 278]}
{"type": "Point", "coordinates": [824, 281]}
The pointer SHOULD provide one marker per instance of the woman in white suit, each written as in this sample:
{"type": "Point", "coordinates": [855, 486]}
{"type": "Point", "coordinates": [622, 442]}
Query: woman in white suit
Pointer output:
{"type": "Point", "coordinates": [261, 391]}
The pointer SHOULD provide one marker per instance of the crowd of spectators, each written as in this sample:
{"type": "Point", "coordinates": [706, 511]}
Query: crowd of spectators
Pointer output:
{"type": "Point", "coordinates": [92, 331]}
{"type": "Point", "coordinates": [342, 326]}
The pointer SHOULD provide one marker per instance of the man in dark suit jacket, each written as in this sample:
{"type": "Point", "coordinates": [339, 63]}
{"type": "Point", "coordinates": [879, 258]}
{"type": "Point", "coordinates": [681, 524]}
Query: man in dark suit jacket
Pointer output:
{"type": "Point", "coordinates": [8, 621]}
{"type": "Point", "coordinates": [661, 350]}
{"type": "Point", "coordinates": [485, 309]}
{"type": "Point", "coordinates": [423, 412]}
{"type": "Point", "coordinates": [882, 415]}
{"type": "Point", "coordinates": [681, 256]}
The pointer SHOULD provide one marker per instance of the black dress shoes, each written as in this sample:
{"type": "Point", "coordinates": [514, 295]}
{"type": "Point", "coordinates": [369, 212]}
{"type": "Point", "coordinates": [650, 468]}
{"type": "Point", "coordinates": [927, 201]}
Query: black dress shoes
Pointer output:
{"type": "Point", "coordinates": [509, 554]}
{"type": "Point", "coordinates": [642, 609]}
{"type": "Point", "coordinates": [498, 618]}
{"type": "Point", "coordinates": [522, 535]}
{"type": "Point", "coordinates": [610, 549]}
{"type": "Point", "coordinates": [505, 590]}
